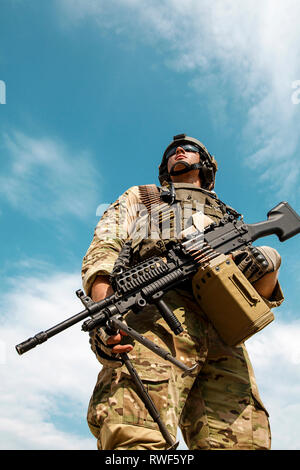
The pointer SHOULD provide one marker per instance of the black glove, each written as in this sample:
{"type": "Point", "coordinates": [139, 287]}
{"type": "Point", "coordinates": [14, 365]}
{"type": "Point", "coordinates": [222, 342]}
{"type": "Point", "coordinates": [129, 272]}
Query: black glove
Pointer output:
{"type": "Point", "coordinates": [256, 261]}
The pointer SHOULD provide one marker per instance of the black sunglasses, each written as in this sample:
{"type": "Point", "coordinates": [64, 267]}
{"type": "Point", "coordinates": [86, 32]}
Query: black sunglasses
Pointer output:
{"type": "Point", "coordinates": [186, 147]}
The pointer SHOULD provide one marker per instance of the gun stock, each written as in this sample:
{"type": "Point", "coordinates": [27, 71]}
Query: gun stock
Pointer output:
{"type": "Point", "coordinates": [282, 221]}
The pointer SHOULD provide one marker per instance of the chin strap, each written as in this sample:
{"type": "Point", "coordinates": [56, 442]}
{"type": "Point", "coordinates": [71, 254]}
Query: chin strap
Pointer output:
{"type": "Point", "coordinates": [188, 167]}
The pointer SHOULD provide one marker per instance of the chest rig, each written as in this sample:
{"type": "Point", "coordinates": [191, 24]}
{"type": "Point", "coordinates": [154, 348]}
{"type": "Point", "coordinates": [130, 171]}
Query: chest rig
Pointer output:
{"type": "Point", "coordinates": [169, 211]}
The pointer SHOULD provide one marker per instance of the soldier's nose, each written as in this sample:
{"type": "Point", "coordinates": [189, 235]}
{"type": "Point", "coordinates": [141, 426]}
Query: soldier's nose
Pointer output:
{"type": "Point", "coordinates": [179, 150]}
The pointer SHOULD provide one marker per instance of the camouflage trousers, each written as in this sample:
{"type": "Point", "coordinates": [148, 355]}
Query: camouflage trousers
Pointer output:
{"type": "Point", "coordinates": [217, 408]}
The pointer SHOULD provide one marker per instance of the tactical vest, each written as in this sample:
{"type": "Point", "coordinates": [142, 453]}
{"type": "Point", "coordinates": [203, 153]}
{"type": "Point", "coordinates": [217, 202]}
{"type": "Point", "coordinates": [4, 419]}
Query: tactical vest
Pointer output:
{"type": "Point", "coordinates": [187, 200]}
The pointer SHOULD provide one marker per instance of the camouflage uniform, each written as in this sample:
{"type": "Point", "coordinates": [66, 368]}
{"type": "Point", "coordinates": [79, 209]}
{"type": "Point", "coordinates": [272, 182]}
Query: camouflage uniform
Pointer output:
{"type": "Point", "coordinates": [219, 407]}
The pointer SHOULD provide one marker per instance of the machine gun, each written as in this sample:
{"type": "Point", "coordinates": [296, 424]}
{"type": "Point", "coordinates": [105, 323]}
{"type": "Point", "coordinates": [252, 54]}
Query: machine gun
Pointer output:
{"type": "Point", "coordinates": [146, 283]}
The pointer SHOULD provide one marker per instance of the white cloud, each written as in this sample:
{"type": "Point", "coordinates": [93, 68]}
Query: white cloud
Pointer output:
{"type": "Point", "coordinates": [244, 53]}
{"type": "Point", "coordinates": [53, 382]}
{"type": "Point", "coordinates": [275, 355]}
{"type": "Point", "coordinates": [45, 179]}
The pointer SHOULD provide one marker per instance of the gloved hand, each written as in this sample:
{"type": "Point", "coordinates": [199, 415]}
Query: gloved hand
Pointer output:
{"type": "Point", "coordinates": [256, 261]}
{"type": "Point", "coordinates": [107, 348]}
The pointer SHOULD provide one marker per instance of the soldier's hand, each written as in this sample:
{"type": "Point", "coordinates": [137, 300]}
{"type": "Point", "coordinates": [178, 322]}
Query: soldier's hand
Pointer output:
{"type": "Point", "coordinates": [116, 339]}
{"type": "Point", "coordinates": [260, 265]}
{"type": "Point", "coordinates": [107, 347]}
{"type": "Point", "coordinates": [257, 261]}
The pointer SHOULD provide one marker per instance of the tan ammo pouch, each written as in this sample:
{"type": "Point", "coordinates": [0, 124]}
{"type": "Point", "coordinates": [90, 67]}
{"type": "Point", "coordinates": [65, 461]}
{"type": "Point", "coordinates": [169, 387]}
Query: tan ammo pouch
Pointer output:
{"type": "Point", "coordinates": [229, 301]}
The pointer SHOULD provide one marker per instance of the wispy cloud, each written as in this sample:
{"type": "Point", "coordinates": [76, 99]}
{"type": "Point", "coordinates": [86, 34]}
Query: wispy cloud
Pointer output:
{"type": "Point", "coordinates": [244, 52]}
{"type": "Point", "coordinates": [46, 179]}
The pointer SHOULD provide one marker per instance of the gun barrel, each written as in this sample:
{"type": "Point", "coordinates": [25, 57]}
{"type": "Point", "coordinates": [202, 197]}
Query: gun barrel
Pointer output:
{"type": "Point", "coordinates": [41, 337]}
{"type": "Point", "coordinates": [31, 343]}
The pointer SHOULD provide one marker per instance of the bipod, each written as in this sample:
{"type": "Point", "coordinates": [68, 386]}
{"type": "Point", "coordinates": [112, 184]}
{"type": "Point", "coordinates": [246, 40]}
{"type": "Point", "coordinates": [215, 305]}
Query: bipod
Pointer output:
{"type": "Point", "coordinates": [145, 397]}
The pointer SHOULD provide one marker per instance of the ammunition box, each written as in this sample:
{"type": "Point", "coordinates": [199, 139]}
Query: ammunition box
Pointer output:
{"type": "Point", "coordinates": [229, 301]}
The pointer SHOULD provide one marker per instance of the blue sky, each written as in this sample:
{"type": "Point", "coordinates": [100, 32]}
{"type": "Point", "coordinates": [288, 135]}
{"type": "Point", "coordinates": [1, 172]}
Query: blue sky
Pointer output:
{"type": "Point", "coordinates": [95, 91]}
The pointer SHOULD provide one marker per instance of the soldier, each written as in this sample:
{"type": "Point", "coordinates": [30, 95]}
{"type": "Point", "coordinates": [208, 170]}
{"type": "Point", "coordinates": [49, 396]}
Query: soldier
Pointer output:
{"type": "Point", "coordinates": [218, 407]}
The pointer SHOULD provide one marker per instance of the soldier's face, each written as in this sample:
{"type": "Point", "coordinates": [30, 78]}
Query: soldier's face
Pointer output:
{"type": "Point", "coordinates": [183, 155]}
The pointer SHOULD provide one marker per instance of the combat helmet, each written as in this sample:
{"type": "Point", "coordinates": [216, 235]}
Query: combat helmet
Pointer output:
{"type": "Point", "coordinates": [207, 165]}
